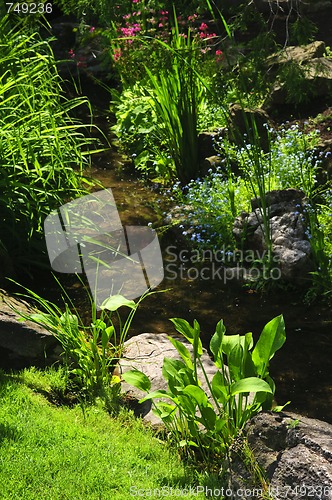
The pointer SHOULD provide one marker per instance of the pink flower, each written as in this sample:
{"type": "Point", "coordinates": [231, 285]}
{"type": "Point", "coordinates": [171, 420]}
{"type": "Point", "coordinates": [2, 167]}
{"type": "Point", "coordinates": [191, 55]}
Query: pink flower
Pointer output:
{"type": "Point", "coordinates": [71, 53]}
{"type": "Point", "coordinates": [92, 29]}
{"type": "Point", "coordinates": [136, 1]}
{"type": "Point", "coordinates": [130, 30]}
{"type": "Point", "coordinates": [117, 54]}
{"type": "Point", "coordinates": [211, 35]}
{"type": "Point", "coordinates": [203, 27]}
{"type": "Point", "coordinates": [219, 56]}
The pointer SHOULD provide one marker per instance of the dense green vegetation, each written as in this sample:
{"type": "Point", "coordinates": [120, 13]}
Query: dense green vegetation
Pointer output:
{"type": "Point", "coordinates": [186, 71]}
{"type": "Point", "coordinates": [43, 148]}
{"type": "Point", "coordinates": [176, 70]}
{"type": "Point", "coordinates": [209, 420]}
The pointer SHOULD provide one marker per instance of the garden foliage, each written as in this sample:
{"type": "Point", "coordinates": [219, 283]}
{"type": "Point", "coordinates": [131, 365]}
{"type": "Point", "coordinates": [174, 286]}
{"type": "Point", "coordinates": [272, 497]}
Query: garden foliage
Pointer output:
{"type": "Point", "coordinates": [241, 387]}
{"type": "Point", "coordinates": [90, 352]}
{"type": "Point", "coordinates": [43, 148]}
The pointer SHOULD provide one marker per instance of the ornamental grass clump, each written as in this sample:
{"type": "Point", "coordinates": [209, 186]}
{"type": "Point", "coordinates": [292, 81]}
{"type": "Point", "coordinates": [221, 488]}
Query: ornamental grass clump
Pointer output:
{"type": "Point", "coordinates": [177, 94]}
{"type": "Point", "coordinates": [43, 149]}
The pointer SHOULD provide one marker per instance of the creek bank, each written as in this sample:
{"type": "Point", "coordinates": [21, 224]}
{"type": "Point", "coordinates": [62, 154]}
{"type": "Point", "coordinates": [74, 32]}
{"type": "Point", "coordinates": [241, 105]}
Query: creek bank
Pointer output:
{"type": "Point", "coordinates": [294, 451]}
{"type": "Point", "coordinates": [23, 343]}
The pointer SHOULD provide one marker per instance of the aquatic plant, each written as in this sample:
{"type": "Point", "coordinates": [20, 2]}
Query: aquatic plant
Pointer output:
{"type": "Point", "coordinates": [90, 352]}
{"type": "Point", "coordinates": [208, 421]}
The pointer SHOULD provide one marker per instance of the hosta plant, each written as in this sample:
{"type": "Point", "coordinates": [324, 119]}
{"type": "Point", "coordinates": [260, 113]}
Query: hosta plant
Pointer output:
{"type": "Point", "coordinates": [241, 386]}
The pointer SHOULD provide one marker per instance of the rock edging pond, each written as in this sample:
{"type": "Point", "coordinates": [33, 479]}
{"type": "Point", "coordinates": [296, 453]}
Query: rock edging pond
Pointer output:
{"type": "Point", "coordinates": [23, 343]}
{"type": "Point", "coordinates": [295, 451]}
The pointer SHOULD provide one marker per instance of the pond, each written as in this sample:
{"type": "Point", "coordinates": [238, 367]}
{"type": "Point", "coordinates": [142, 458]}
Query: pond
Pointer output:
{"type": "Point", "coordinates": [301, 369]}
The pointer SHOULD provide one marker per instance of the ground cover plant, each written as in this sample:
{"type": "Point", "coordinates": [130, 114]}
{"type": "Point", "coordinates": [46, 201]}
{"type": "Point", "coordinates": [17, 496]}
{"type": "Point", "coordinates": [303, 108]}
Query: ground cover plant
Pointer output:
{"type": "Point", "coordinates": [54, 452]}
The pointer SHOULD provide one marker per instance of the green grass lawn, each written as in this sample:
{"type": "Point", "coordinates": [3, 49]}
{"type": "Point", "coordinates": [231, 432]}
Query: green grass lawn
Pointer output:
{"type": "Point", "coordinates": [56, 452]}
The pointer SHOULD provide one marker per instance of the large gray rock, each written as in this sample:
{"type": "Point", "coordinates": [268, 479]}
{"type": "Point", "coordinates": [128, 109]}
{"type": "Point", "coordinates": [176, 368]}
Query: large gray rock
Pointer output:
{"type": "Point", "coordinates": [146, 352]}
{"type": "Point", "coordinates": [294, 451]}
{"type": "Point", "coordinates": [23, 343]}
{"type": "Point", "coordinates": [314, 70]}
{"type": "Point", "coordinates": [290, 245]}
{"type": "Point", "coordinates": [298, 54]}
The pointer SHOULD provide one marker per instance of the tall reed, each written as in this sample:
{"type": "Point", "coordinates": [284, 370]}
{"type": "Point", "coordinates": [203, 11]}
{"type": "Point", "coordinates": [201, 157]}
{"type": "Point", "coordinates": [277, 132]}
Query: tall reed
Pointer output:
{"type": "Point", "coordinates": [177, 94]}
{"type": "Point", "coordinates": [43, 149]}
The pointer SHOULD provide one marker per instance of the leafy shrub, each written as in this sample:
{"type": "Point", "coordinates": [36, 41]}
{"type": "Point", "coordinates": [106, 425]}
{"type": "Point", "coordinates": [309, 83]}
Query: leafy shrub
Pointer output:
{"type": "Point", "coordinates": [91, 352]}
{"type": "Point", "coordinates": [241, 387]}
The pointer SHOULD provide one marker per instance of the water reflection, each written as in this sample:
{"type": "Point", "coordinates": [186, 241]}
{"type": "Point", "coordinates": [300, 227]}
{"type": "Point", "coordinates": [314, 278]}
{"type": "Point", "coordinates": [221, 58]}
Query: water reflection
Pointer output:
{"type": "Point", "coordinates": [301, 369]}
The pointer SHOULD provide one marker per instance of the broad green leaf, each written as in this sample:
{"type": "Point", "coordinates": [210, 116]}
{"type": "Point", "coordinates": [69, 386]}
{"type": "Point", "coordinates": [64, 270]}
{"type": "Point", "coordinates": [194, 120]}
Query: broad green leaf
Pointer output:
{"type": "Point", "coordinates": [177, 374]}
{"type": "Point", "coordinates": [183, 351]}
{"type": "Point", "coordinates": [250, 384]}
{"type": "Point", "coordinates": [138, 379]}
{"type": "Point", "coordinates": [184, 327]}
{"type": "Point", "coordinates": [208, 417]}
{"type": "Point", "coordinates": [271, 339]}
{"type": "Point", "coordinates": [235, 360]}
{"type": "Point", "coordinates": [114, 302]}
{"type": "Point", "coordinates": [99, 324]}
{"type": "Point", "coordinates": [248, 341]}
{"type": "Point", "coordinates": [110, 331]}
{"type": "Point", "coordinates": [220, 388]}
{"type": "Point", "coordinates": [197, 394]}
{"type": "Point", "coordinates": [229, 341]}
{"type": "Point", "coordinates": [157, 394]}
{"type": "Point", "coordinates": [104, 339]}
{"type": "Point", "coordinates": [190, 333]}
{"type": "Point", "coordinates": [198, 349]}
{"type": "Point", "coordinates": [172, 368]}
{"type": "Point", "coordinates": [216, 344]}
{"type": "Point", "coordinates": [187, 404]}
